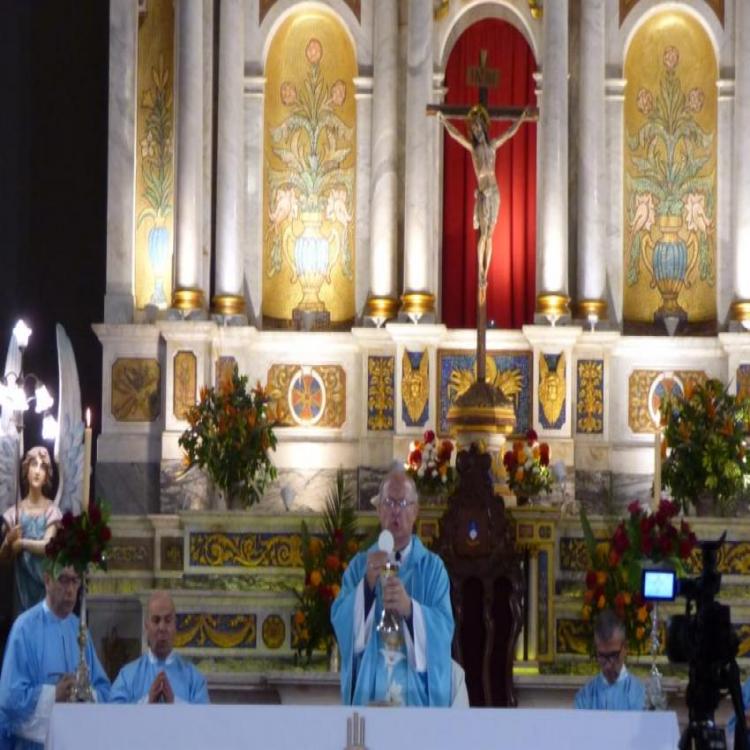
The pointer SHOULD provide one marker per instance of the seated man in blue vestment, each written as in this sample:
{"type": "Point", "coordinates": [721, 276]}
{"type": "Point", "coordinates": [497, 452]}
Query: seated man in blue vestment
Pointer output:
{"type": "Point", "coordinates": [160, 676]}
{"type": "Point", "coordinates": [614, 688]}
{"type": "Point", "coordinates": [417, 670]}
{"type": "Point", "coordinates": [40, 663]}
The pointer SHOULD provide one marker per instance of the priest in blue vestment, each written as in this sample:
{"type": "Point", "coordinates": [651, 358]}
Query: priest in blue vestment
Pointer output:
{"type": "Point", "coordinates": [614, 688]}
{"type": "Point", "coordinates": [160, 676]}
{"type": "Point", "coordinates": [40, 661]}
{"type": "Point", "coordinates": [418, 671]}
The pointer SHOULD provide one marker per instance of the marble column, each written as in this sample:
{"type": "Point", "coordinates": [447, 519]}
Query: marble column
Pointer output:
{"type": "Point", "coordinates": [592, 304]}
{"type": "Point", "coordinates": [552, 255]}
{"type": "Point", "coordinates": [228, 298]}
{"type": "Point", "coordinates": [418, 299]}
{"type": "Point", "coordinates": [740, 310]}
{"type": "Point", "coordinates": [382, 303]}
{"type": "Point", "coordinates": [119, 298]}
{"type": "Point", "coordinates": [188, 295]}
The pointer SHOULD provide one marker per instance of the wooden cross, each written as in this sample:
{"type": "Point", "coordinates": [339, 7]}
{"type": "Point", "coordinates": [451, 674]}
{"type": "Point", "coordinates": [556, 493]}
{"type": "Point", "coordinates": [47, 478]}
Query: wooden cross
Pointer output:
{"type": "Point", "coordinates": [483, 78]}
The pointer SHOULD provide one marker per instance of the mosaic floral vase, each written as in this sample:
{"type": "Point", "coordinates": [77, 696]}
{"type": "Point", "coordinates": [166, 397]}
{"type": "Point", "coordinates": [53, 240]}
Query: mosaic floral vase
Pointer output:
{"type": "Point", "coordinates": [671, 265]}
{"type": "Point", "coordinates": [159, 247]}
{"type": "Point", "coordinates": [311, 262]}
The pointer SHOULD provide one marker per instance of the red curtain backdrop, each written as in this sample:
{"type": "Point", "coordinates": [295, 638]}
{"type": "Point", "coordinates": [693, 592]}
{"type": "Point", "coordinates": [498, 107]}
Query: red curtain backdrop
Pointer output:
{"type": "Point", "coordinates": [511, 291]}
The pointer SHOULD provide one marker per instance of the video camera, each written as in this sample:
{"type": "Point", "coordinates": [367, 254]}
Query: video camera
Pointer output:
{"type": "Point", "coordinates": [704, 639]}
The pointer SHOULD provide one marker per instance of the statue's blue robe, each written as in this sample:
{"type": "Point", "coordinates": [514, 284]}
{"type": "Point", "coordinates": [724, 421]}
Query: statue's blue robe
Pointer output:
{"type": "Point", "coordinates": [135, 679]}
{"type": "Point", "coordinates": [625, 694]}
{"type": "Point", "coordinates": [363, 675]}
{"type": "Point", "coordinates": [40, 648]}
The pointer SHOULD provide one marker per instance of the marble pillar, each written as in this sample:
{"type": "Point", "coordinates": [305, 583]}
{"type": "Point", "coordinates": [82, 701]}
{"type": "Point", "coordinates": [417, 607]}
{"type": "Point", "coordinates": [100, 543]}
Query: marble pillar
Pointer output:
{"type": "Point", "coordinates": [119, 298]}
{"type": "Point", "coordinates": [382, 303]}
{"type": "Point", "coordinates": [740, 310]}
{"type": "Point", "coordinates": [418, 299]}
{"type": "Point", "coordinates": [228, 299]}
{"type": "Point", "coordinates": [592, 305]}
{"type": "Point", "coordinates": [552, 256]}
{"type": "Point", "coordinates": [363, 98]}
{"type": "Point", "coordinates": [188, 293]}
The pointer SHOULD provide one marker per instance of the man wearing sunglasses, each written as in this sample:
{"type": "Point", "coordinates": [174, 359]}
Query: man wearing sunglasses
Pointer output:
{"type": "Point", "coordinates": [614, 688]}
{"type": "Point", "coordinates": [420, 673]}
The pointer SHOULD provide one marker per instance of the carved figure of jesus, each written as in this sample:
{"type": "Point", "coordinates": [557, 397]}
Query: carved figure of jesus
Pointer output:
{"type": "Point", "coordinates": [487, 194]}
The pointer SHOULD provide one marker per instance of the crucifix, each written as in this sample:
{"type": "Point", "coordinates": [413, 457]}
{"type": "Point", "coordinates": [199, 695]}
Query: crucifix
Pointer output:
{"type": "Point", "coordinates": [487, 195]}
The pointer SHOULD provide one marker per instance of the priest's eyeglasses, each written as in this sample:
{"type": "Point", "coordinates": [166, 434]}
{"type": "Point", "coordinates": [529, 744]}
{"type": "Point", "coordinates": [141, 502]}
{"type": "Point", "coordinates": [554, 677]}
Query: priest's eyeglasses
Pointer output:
{"type": "Point", "coordinates": [609, 656]}
{"type": "Point", "coordinates": [402, 503]}
{"type": "Point", "coordinates": [73, 581]}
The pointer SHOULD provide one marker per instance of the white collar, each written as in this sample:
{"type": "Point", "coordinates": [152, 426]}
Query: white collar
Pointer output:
{"type": "Point", "coordinates": [48, 611]}
{"type": "Point", "coordinates": [620, 677]}
{"type": "Point", "coordinates": [152, 658]}
{"type": "Point", "coordinates": [404, 552]}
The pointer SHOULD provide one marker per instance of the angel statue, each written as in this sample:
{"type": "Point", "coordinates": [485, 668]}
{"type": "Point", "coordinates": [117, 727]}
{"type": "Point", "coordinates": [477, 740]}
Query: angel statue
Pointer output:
{"type": "Point", "coordinates": [30, 517]}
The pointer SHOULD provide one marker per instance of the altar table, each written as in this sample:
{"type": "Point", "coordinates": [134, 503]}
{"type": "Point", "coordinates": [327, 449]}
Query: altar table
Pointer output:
{"type": "Point", "coordinates": [117, 727]}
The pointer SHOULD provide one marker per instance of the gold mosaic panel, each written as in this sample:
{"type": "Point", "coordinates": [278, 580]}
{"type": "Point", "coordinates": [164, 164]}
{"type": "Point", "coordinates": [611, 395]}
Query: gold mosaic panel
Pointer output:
{"type": "Point", "coordinates": [172, 553]}
{"type": "Point", "coordinates": [273, 632]}
{"type": "Point", "coordinates": [131, 553]}
{"type": "Point", "coordinates": [136, 389]}
{"type": "Point", "coordinates": [198, 630]}
{"type": "Point", "coordinates": [642, 402]}
{"type": "Point", "coordinates": [217, 549]}
{"type": "Point", "coordinates": [590, 397]}
{"type": "Point", "coordinates": [380, 387]}
{"type": "Point", "coordinates": [415, 387]}
{"type": "Point", "coordinates": [185, 383]}
{"type": "Point", "coordinates": [284, 385]}
{"type": "Point", "coordinates": [265, 5]}
{"type": "Point", "coordinates": [627, 5]}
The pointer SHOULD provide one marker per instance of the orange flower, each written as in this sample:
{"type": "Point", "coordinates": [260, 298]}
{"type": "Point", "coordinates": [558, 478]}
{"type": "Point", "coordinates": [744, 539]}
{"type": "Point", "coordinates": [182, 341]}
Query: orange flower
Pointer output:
{"type": "Point", "coordinates": [588, 596]}
{"type": "Point", "coordinates": [519, 474]}
{"type": "Point", "coordinates": [332, 563]}
{"type": "Point", "coordinates": [299, 617]}
{"type": "Point", "coordinates": [601, 602]}
{"type": "Point", "coordinates": [335, 588]}
{"type": "Point", "coordinates": [626, 597]}
{"type": "Point", "coordinates": [316, 578]}
{"type": "Point", "coordinates": [614, 558]}
{"type": "Point", "coordinates": [352, 546]}
{"type": "Point", "coordinates": [640, 633]}
{"type": "Point", "coordinates": [586, 613]}
{"type": "Point", "coordinates": [601, 577]}
{"type": "Point", "coordinates": [641, 614]}
{"type": "Point", "coordinates": [315, 546]}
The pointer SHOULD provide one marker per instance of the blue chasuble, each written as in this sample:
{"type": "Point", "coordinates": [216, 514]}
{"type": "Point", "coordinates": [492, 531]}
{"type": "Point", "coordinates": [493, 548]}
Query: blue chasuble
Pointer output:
{"type": "Point", "coordinates": [135, 679]}
{"type": "Point", "coordinates": [625, 694]}
{"type": "Point", "coordinates": [364, 674]}
{"type": "Point", "coordinates": [40, 649]}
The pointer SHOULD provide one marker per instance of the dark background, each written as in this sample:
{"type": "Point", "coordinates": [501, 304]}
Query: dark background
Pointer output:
{"type": "Point", "coordinates": [53, 184]}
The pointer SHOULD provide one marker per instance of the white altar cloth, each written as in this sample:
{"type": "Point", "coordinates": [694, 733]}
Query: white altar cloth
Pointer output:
{"type": "Point", "coordinates": [117, 727]}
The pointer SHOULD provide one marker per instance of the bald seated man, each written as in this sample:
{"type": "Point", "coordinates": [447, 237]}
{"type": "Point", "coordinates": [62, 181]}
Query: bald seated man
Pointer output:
{"type": "Point", "coordinates": [161, 675]}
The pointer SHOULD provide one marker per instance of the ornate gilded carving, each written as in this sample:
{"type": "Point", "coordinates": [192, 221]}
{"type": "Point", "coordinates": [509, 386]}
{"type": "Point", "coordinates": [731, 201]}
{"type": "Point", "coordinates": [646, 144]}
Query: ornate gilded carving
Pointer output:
{"type": "Point", "coordinates": [380, 392]}
{"type": "Point", "coordinates": [647, 388]}
{"type": "Point", "coordinates": [185, 383]}
{"type": "Point", "coordinates": [509, 371]}
{"type": "Point", "coordinates": [172, 553]}
{"type": "Point", "coordinates": [415, 387]}
{"type": "Point", "coordinates": [308, 395]}
{"type": "Point", "coordinates": [273, 632]}
{"type": "Point", "coordinates": [131, 553]}
{"type": "Point", "coordinates": [199, 630]}
{"type": "Point", "coordinates": [743, 381]}
{"type": "Point", "coordinates": [224, 369]}
{"type": "Point", "coordinates": [552, 390]}
{"type": "Point", "coordinates": [573, 554]}
{"type": "Point", "coordinates": [573, 637]}
{"type": "Point", "coordinates": [590, 400]}
{"type": "Point", "coordinates": [219, 549]}
{"type": "Point", "coordinates": [136, 389]}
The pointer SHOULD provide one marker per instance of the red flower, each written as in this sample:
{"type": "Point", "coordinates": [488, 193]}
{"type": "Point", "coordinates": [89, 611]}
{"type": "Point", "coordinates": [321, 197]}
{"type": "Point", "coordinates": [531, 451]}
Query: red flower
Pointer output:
{"type": "Point", "coordinates": [332, 563]}
{"type": "Point", "coordinates": [620, 539]}
{"type": "Point", "coordinates": [67, 519]}
{"type": "Point", "coordinates": [445, 450]}
{"type": "Point", "coordinates": [531, 437]}
{"type": "Point", "coordinates": [591, 579]}
{"type": "Point", "coordinates": [429, 436]}
{"type": "Point", "coordinates": [95, 514]}
{"type": "Point", "coordinates": [105, 534]}
{"type": "Point", "coordinates": [685, 548]}
{"type": "Point", "coordinates": [544, 454]}
{"type": "Point", "coordinates": [415, 458]}
{"type": "Point", "coordinates": [508, 460]}
{"type": "Point", "coordinates": [647, 545]}
{"type": "Point", "coordinates": [634, 507]}
{"type": "Point", "coordinates": [665, 544]}
{"type": "Point", "coordinates": [338, 536]}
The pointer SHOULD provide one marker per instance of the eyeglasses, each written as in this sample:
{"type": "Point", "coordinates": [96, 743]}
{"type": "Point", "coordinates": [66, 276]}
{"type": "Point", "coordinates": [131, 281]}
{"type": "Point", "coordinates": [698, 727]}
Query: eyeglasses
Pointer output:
{"type": "Point", "coordinates": [403, 503]}
{"type": "Point", "coordinates": [609, 656]}
{"type": "Point", "coordinates": [69, 581]}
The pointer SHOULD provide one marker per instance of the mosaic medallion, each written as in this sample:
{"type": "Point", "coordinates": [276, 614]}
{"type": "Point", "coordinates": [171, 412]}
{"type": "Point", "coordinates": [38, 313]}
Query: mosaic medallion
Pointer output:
{"type": "Point", "coordinates": [307, 397]}
{"type": "Point", "coordinates": [273, 632]}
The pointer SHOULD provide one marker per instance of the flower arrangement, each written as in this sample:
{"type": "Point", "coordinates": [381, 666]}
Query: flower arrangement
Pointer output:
{"type": "Point", "coordinates": [81, 541]}
{"type": "Point", "coordinates": [325, 558]}
{"type": "Point", "coordinates": [527, 466]}
{"type": "Point", "coordinates": [613, 580]}
{"type": "Point", "coordinates": [705, 433]}
{"type": "Point", "coordinates": [230, 435]}
{"type": "Point", "coordinates": [429, 465]}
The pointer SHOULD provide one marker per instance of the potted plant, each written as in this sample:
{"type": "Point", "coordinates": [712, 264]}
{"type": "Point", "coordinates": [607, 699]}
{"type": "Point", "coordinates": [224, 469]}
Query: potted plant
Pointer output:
{"type": "Point", "coordinates": [527, 468]}
{"type": "Point", "coordinates": [705, 431]}
{"type": "Point", "coordinates": [230, 436]}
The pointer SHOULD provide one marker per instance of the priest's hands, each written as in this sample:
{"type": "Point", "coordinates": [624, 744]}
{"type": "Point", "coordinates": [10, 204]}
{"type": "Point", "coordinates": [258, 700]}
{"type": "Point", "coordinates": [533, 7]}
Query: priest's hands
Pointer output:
{"type": "Point", "coordinates": [375, 563]}
{"type": "Point", "coordinates": [161, 690]}
{"type": "Point", "coordinates": [64, 688]}
{"type": "Point", "coordinates": [395, 598]}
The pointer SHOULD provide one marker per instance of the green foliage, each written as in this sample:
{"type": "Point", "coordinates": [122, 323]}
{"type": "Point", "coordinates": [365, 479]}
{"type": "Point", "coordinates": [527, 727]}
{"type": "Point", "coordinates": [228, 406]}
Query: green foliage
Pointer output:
{"type": "Point", "coordinates": [325, 558]}
{"type": "Point", "coordinates": [230, 435]}
{"type": "Point", "coordinates": [705, 433]}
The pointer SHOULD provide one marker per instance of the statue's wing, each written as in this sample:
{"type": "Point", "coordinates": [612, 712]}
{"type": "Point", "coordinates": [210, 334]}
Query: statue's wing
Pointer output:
{"type": "Point", "coordinates": [69, 441]}
{"type": "Point", "coordinates": [10, 439]}
{"type": "Point", "coordinates": [9, 462]}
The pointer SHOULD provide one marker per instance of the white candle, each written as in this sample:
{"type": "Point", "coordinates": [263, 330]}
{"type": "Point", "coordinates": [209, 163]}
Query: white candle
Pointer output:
{"type": "Point", "coordinates": [86, 462]}
{"type": "Point", "coordinates": [657, 467]}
